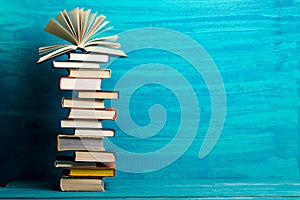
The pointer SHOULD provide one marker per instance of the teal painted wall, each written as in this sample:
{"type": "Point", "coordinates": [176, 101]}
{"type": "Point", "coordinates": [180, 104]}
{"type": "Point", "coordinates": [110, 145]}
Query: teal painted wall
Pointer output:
{"type": "Point", "coordinates": [255, 45]}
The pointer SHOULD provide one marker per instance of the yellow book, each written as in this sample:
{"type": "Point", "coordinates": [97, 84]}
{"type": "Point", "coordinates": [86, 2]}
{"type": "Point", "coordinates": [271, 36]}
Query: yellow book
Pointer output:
{"type": "Point", "coordinates": [91, 172]}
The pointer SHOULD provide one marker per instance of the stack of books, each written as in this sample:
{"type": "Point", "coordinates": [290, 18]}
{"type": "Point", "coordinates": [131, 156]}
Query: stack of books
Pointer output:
{"type": "Point", "coordinates": [90, 163]}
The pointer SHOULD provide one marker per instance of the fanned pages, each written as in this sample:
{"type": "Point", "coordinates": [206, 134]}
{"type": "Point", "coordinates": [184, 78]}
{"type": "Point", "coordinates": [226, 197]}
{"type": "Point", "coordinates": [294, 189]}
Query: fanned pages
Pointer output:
{"type": "Point", "coordinates": [79, 27]}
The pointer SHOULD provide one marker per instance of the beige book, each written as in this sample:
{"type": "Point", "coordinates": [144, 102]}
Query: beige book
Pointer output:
{"type": "Point", "coordinates": [94, 132]}
{"type": "Point", "coordinates": [70, 83]}
{"type": "Point", "coordinates": [81, 103]}
{"type": "Point", "coordinates": [90, 73]}
{"type": "Point", "coordinates": [99, 94]}
{"type": "Point", "coordinates": [81, 123]}
{"type": "Point", "coordinates": [81, 184]}
{"type": "Point", "coordinates": [89, 156]}
{"type": "Point", "coordinates": [101, 114]}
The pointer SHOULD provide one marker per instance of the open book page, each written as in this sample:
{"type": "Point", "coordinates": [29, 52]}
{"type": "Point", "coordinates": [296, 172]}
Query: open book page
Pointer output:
{"type": "Point", "coordinates": [78, 27]}
{"type": "Point", "coordinates": [57, 53]}
{"type": "Point", "coordinates": [58, 30]}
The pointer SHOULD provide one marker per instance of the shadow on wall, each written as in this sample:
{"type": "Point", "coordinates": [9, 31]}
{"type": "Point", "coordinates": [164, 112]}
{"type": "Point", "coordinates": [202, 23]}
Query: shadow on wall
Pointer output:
{"type": "Point", "coordinates": [29, 119]}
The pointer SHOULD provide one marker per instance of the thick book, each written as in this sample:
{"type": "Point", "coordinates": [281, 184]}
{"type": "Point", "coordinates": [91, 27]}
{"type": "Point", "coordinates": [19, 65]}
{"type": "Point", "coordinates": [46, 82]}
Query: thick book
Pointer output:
{"type": "Point", "coordinates": [89, 156]}
{"type": "Point", "coordinates": [70, 83]}
{"type": "Point", "coordinates": [90, 73]}
{"type": "Point", "coordinates": [75, 142]}
{"type": "Point", "coordinates": [81, 123]}
{"type": "Point", "coordinates": [81, 184]}
{"type": "Point", "coordinates": [68, 162]}
{"type": "Point", "coordinates": [94, 132]}
{"type": "Point", "coordinates": [99, 94]}
{"type": "Point", "coordinates": [75, 64]}
{"type": "Point", "coordinates": [81, 103]}
{"type": "Point", "coordinates": [100, 114]}
{"type": "Point", "coordinates": [88, 57]}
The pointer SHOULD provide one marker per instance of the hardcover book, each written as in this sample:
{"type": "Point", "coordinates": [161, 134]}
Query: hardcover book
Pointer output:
{"type": "Point", "coordinates": [89, 156]}
{"type": "Point", "coordinates": [99, 94]}
{"type": "Point", "coordinates": [81, 184]}
{"type": "Point", "coordinates": [82, 103]}
{"type": "Point", "coordinates": [75, 142]}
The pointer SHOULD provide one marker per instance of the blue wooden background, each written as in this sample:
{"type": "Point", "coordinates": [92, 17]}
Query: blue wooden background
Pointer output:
{"type": "Point", "coordinates": [255, 45]}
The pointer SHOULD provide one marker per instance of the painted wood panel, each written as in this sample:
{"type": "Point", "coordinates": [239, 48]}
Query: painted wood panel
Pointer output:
{"type": "Point", "coordinates": [255, 45]}
{"type": "Point", "coordinates": [147, 189]}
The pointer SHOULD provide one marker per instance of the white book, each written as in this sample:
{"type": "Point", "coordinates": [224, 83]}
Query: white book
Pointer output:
{"type": "Point", "coordinates": [90, 73]}
{"type": "Point", "coordinates": [81, 103]}
{"type": "Point", "coordinates": [68, 83]}
{"type": "Point", "coordinates": [99, 95]}
{"type": "Point", "coordinates": [75, 64]}
{"type": "Point", "coordinates": [89, 156]}
{"type": "Point", "coordinates": [94, 132]}
{"type": "Point", "coordinates": [81, 123]}
{"type": "Point", "coordinates": [101, 114]}
{"type": "Point", "coordinates": [91, 57]}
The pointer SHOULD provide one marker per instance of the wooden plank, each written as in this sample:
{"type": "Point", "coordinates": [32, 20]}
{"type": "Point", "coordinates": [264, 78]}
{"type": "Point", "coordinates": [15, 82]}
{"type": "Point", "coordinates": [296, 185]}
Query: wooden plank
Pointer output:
{"type": "Point", "coordinates": [207, 189]}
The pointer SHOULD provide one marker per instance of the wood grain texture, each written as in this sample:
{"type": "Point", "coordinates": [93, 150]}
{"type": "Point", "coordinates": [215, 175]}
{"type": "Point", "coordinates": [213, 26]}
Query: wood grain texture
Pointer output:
{"type": "Point", "coordinates": [255, 45]}
{"type": "Point", "coordinates": [148, 189]}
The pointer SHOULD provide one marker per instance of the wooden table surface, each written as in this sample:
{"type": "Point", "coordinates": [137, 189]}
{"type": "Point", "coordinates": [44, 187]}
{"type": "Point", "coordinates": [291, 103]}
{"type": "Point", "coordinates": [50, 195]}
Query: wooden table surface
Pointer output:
{"type": "Point", "coordinates": [160, 189]}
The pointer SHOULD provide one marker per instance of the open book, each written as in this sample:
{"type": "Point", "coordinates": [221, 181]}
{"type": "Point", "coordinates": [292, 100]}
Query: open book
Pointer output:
{"type": "Point", "coordinates": [79, 27]}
